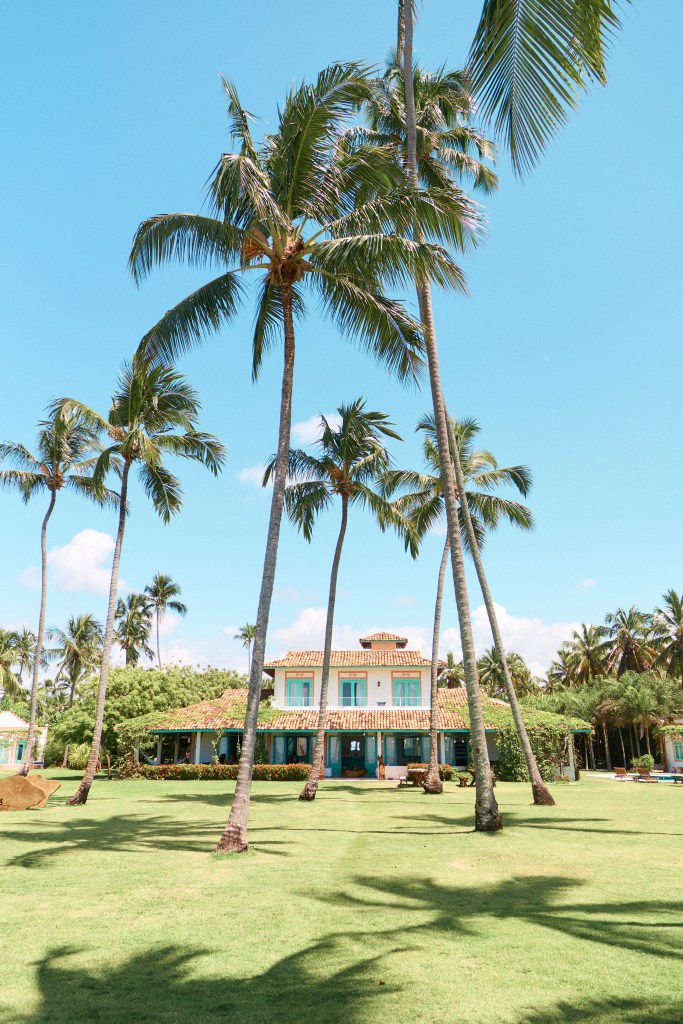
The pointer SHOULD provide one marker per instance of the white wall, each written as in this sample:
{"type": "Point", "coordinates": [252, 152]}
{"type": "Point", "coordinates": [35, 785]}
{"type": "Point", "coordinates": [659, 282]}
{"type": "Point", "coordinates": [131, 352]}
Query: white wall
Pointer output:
{"type": "Point", "coordinates": [374, 693]}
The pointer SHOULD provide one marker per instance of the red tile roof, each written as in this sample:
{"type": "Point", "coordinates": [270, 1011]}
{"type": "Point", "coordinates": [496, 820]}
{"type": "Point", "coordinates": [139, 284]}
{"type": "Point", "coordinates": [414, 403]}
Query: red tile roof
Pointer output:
{"type": "Point", "coordinates": [350, 659]}
{"type": "Point", "coordinates": [227, 712]}
{"type": "Point", "coordinates": [384, 638]}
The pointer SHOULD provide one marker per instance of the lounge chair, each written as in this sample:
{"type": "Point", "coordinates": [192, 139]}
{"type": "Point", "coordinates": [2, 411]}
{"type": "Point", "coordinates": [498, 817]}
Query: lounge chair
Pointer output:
{"type": "Point", "coordinates": [644, 775]}
{"type": "Point", "coordinates": [622, 774]}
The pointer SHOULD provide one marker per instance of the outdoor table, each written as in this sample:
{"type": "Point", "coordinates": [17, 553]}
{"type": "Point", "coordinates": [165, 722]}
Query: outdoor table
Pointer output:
{"type": "Point", "coordinates": [417, 775]}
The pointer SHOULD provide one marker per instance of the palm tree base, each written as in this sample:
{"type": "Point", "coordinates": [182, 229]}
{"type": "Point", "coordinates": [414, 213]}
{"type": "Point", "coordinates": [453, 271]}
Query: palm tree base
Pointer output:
{"type": "Point", "coordinates": [309, 790]}
{"type": "Point", "coordinates": [232, 841]}
{"type": "Point", "coordinates": [542, 797]}
{"type": "Point", "coordinates": [81, 794]}
{"type": "Point", "coordinates": [23, 771]}
{"type": "Point", "coordinates": [432, 784]}
{"type": "Point", "coordinates": [486, 819]}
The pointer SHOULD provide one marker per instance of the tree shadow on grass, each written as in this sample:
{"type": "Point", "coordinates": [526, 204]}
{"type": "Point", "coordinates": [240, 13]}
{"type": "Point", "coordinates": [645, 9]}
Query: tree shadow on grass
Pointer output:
{"type": "Point", "coordinates": [652, 927]}
{"type": "Point", "coordinates": [607, 1011]}
{"type": "Point", "coordinates": [121, 833]}
{"type": "Point", "coordinates": [171, 985]}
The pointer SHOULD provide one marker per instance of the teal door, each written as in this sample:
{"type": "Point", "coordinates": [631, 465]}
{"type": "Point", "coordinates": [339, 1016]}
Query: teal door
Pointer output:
{"type": "Point", "coordinates": [371, 755]}
{"type": "Point", "coordinates": [334, 754]}
{"type": "Point", "coordinates": [353, 752]}
{"type": "Point", "coordinates": [20, 750]}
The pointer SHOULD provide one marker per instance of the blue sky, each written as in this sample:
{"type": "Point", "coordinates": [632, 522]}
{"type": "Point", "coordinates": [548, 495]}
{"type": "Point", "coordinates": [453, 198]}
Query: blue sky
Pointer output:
{"type": "Point", "coordinates": [567, 351]}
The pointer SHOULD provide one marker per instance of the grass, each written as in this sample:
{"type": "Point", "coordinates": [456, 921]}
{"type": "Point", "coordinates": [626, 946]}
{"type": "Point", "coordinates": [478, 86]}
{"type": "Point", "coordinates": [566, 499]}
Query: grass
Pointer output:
{"type": "Point", "coordinates": [372, 905]}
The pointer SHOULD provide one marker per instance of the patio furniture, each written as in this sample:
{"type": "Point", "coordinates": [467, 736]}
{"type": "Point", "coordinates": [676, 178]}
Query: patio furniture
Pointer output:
{"type": "Point", "coordinates": [677, 775]}
{"type": "Point", "coordinates": [621, 774]}
{"type": "Point", "coordinates": [645, 776]}
{"type": "Point", "coordinates": [417, 775]}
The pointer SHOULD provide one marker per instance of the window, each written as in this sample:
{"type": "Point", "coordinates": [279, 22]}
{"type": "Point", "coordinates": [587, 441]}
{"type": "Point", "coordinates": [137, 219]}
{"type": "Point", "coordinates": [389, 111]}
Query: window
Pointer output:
{"type": "Point", "coordinates": [678, 750]}
{"type": "Point", "coordinates": [407, 692]}
{"type": "Point", "coordinates": [408, 750]}
{"type": "Point", "coordinates": [352, 693]}
{"type": "Point", "coordinates": [299, 693]}
{"type": "Point", "coordinates": [297, 749]}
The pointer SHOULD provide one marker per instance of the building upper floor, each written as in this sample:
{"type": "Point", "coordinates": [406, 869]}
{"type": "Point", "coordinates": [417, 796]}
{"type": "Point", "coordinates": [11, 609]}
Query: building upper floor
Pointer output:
{"type": "Point", "coordinates": [382, 673]}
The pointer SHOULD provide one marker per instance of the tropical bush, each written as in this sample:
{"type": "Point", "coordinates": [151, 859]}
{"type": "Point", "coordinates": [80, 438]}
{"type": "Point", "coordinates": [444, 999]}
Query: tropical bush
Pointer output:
{"type": "Point", "coordinates": [78, 757]}
{"type": "Point", "coordinates": [184, 772]}
{"type": "Point", "coordinates": [548, 744]}
{"type": "Point", "coordinates": [446, 771]}
{"type": "Point", "coordinates": [644, 761]}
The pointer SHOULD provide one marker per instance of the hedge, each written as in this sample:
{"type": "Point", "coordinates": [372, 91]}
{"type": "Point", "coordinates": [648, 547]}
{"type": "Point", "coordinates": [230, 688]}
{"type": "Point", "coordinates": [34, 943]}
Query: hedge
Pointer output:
{"type": "Point", "coordinates": [260, 773]}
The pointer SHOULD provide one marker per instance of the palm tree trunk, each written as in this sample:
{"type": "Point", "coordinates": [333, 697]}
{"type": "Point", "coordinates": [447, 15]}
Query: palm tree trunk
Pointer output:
{"type": "Point", "coordinates": [605, 737]}
{"type": "Point", "coordinates": [623, 748]}
{"type": "Point", "coordinates": [311, 787]}
{"type": "Point", "coordinates": [158, 641]}
{"type": "Point", "coordinates": [249, 658]}
{"type": "Point", "coordinates": [647, 740]}
{"type": "Point", "coordinates": [539, 790]}
{"type": "Point", "coordinates": [81, 794]}
{"type": "Point", "coordinates": [487, 815]}
{"type": "Point", "coordinates": [31, 738]}
{"type": "Point", "coordinates": [235, 835]}
{"type": "Point", "coordinates": [433, 783]}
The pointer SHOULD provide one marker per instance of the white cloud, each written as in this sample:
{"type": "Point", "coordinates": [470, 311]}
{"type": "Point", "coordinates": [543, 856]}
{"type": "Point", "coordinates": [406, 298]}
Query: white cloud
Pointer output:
{"type": "Point", "coordinates": [308, 431]}
{"type": "Point", "coordinates": [252, 475]}
{"type": "Point", "coordinates": [587, 584]}
{"type": "Point", "coordinates": [168, 624]}
{"type": "Point", "coordinates": [306, 632]}
{"type": "Point", "coordinates": [84, 563]}
{"type": "Point", "coordinates": [404, 600]}
{"type": "Point", "coordinates": [535, 640]}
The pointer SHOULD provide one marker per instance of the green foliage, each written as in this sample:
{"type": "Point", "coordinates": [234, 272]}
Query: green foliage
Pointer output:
{"type": "Point", "coordinates": [446, 771]}
{"type": "Point", "coordinates": [78, 756]}
{"type": "Point", "coordinates": [644, 761]}
{"type": "Point", "coordinates": [18, 705]}
{"type": "Point", "coordinates": [261, 772]}
{"type": "Point", "coordinates": [260, 750]}
{"type": "Point", "coordinates": [134, 693]}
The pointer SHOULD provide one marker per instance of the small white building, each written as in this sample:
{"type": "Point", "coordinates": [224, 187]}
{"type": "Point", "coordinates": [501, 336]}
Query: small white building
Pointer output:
{"type": "Point", "coordinates": [13, 737]}
{"type": "Point", "coordinates": [674, 745]}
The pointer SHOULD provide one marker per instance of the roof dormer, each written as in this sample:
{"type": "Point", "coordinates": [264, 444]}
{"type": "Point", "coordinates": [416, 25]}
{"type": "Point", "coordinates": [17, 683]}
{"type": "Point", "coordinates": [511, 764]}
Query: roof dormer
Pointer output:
{"type": "Point", "coordinates": [383, 642]}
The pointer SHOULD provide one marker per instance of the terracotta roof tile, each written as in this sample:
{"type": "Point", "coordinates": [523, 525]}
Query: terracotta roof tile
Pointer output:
{"type": "Point", "coordinates": [227, 712]}
{"type": "Point", "coordinates": [384, 638]}
{"type": "Point", "coordinates": [349, 659]}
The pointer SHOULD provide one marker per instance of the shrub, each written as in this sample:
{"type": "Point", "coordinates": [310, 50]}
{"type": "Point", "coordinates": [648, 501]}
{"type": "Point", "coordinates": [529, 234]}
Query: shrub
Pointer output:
{"type": "Point", "coordinates": [446, 771]}
{"type": "Point", "coordinates": [184, 772]}
{"type": "Point", "coordinates": [78, 756]}
{"type": "Point", "coordinates": [644, 761]}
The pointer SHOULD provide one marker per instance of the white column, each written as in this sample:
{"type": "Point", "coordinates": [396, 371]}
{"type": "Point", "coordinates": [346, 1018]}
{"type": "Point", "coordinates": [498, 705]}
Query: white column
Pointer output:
{"type": "Point", "coordinates": [198, 747]}
{"type": "Point", "coordinates": [570, 752]}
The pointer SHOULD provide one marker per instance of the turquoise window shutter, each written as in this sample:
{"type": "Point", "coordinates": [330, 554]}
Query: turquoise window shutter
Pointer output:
{"type": "Point", "coordinates": [425, 746]}
{"type": "Point", "coordinates": [390, 750]}
{"type": "Point", "coordinates": [278, 750]}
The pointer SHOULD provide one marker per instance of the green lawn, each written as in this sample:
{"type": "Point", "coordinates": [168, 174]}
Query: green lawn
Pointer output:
{"type": "Point", "coordinates": [374, 904]}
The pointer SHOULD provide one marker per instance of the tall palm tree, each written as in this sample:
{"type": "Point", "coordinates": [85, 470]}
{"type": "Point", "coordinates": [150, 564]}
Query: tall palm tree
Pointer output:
{"type": "Point", "coordinates": [350, 464]}
{"type": "Point", "coordinates": [295, 214]}
{"type": "Point", "coordinates": [9, 680]}
{"type": "Point", "coordinates": [451, 674]}
{"type": "Point", "coordinates": [26, 651]}
{"type": "Point", "coordinates": [561, 672]}
{"type": "Point", "coordinates": [667, 625]}
{"type": "Point", "coordinates": [67, 447]}
{"type": "Point", "coordinates": [492, 674]}
{"type": "Point", "coordinates": [77, 652]}
{"type": "Point", "coordinates": [424, 503]}
{"type": "Point", "coordinates": [154, 413]}
{"type": "Point", "coordinates": [134, 617]}
{"type": "Point", "coordinates": [529, 64]}
{"type": "Point", "coordinates": [246, 635]}
{"type": "Point", "coordinates": [161, 595]}
{"type": "Point", "coordinates": [630, 641]}
{"type": "Point", "coordinates": [587, 650]}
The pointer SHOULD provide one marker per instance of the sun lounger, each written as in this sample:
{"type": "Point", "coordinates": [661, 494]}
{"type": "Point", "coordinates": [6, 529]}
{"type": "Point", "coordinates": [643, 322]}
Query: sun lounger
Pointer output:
{"type": "Point", "coordinates": [621, 774]}
{"type": "Point", "coordinates": [644, 775]}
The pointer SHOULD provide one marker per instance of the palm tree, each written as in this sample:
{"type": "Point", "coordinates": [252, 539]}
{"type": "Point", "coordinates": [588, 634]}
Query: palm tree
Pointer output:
{"type": "Point", "coordinates": [492, 674]}
{"type": "Point", "coordinates": [561, 672]}
{"type": "Point", "coordinates": [424, 503]}
{"type": "Point", "coordinates": [134, 617]}
{"type": "Point", "coordinates": [587, 652]}
{"type": "Point", "coordinates": [451, 674]}
{"type": "Point", "coordinates": [26, 651]}
{"type": "Point", "coordinates": [161, 595]}
{"type": "Point", "coordinates": [9, 681]}
{"type": "Point", "coordinates": [246, 635]}
{"type": "Point", "coordinates": [154, 413]}
{"type": "Point", "coordinates": [300, 213]}
{"type": "Point", "coordinates": [529, 64]}
{"type": "Point", "coordinates": [65, 456]}
{"type": "Point", "coordinates": [630, 641]}
{"type": "Point", "coordinates": [351, 462]}
{"type": "Point", "coordinates": [668, 634]}
{"type": "Point", "coordinates": [77, 652]}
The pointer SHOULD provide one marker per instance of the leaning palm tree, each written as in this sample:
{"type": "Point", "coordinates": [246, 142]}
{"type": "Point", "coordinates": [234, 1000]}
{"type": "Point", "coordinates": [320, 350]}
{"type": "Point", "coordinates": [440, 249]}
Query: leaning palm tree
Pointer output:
{"type": "Point", "coordinates": [246, 635]}
{"type": "Point", "coordinates": [350, 464]}
{"type": "Point", "coordinates": [134, 617]}
{"type": "Point", "coordinates": [529, 64]}
{"type": "Point", "coordinates": [77, 651]}
{"type": "Point", "coordinates": [480, 513]}
{"type": "Point", "coordinates": [10, 683]}
{"type": "Point", "coordinates": [162, 595]}
{"type": "Point", "coordinates": [630, 641]}
{"type": "Point", "coordinates": [300, 214]}
{"type": "Point", "coordinates": [64, 458]}
{"type": "Point", "coordinates": [667, 625]}
{"type": "Point", "coordinates": [154, 413]}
